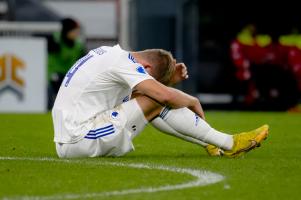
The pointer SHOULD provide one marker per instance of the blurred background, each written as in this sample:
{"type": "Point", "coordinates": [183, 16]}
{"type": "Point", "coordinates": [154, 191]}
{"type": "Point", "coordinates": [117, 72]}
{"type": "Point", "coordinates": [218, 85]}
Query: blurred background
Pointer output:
{"type": "Point", "coordinates": [241, 56]}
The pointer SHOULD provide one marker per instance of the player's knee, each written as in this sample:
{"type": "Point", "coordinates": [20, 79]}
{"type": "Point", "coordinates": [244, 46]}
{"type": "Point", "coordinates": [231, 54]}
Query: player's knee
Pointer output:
{"type": "Point", "coordinates": [149, 107]}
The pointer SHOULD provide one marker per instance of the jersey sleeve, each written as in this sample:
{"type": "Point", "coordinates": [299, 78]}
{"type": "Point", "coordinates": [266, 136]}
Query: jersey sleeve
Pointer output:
{"type": "Point", "coordinates": [131, 74]}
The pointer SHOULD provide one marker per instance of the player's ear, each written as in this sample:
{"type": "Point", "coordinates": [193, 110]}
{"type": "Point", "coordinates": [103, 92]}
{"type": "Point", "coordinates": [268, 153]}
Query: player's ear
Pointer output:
{"type": "Point", "coordinates": [144, 63]}
{"type": "Point", "coordinates": [147, 66]}
{"type": "Point", "coordinates": [149, 69]}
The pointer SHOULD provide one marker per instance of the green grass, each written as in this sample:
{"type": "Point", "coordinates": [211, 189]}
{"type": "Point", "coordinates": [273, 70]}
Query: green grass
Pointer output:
{"type": "Point", "coordinates": [271, 172]}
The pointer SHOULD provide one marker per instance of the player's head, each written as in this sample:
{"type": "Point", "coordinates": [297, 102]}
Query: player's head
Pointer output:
{"type": "Point", "coordinates": [159, 63]}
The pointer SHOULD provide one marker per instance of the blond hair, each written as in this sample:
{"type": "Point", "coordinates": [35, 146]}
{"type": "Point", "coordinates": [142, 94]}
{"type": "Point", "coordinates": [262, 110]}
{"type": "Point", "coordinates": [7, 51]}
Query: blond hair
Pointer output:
{"type": "Point", "coordinates": [163, 64]}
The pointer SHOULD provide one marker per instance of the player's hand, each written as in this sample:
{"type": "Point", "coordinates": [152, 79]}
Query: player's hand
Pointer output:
{"type": "Point", "coordinates": [196, 107]}
{"type": "Point", "coordinates": [180, 73]}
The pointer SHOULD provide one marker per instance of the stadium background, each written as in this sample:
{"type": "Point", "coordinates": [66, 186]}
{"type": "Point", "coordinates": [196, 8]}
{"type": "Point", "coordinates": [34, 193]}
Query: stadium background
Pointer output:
{"type": "Point", "coordinates": [199, 33]}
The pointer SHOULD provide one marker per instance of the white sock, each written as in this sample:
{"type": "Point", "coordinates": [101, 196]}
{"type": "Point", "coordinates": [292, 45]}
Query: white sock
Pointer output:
{"type": "Point", "coordinates": [188, 123]}
{"type": "Point", "coordinates": [136, 120]}
{"type": "Point", "coordinates": [165, 128]}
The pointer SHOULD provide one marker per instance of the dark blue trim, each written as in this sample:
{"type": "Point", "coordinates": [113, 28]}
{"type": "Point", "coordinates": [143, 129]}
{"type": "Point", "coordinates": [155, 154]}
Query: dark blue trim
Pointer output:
{"type": "Point", "coordinates": [132, 58]}
{"type": "Point", "coordinates": [127, 98]}
{"type": "Point", "coordinates": [76, 66]}
{"type": "Point", "coordinates": [104, 131]}
{"type": "Point", "coordinates": [92, 131]}
{"type": "Point", "coordinates": [96, 137]}
{"type": "Point", "coordinates": [164, 112]}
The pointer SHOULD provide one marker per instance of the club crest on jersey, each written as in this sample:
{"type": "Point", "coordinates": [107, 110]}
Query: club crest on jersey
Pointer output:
{"type": "Point", "coordinates": [114, 114]}
{"type": "Point", "coordinates": [141, 70]}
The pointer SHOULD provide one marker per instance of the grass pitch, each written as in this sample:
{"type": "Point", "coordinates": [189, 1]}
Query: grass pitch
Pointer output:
{"type": "Point", "coordinates": [271, 172]}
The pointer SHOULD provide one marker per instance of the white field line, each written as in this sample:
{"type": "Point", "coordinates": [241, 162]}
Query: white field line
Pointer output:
{"type": "Point", "coordinates": [201, 178]}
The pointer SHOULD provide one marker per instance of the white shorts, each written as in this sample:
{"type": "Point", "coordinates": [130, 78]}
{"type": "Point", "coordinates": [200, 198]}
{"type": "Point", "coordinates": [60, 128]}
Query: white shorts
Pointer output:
{"type": "Point", "coordinates": [111, 135]}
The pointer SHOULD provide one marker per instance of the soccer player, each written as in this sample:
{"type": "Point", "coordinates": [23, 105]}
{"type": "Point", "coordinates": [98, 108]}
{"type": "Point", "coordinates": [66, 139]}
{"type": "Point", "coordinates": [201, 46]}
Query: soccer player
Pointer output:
{"type": "Point", "coordinates": [109, 95]}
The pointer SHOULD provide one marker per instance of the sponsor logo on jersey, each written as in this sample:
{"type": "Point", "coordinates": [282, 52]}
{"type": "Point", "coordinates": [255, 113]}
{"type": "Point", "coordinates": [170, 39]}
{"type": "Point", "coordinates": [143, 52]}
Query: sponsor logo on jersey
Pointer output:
{"type": "Point", "coordinates": [10, 77]}
{"type": "Point", "coordinates": [141, 70]}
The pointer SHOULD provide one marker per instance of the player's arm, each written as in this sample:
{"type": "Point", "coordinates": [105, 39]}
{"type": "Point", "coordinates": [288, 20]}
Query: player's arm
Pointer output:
{"type": "Point", "coordinates": [169, 96]}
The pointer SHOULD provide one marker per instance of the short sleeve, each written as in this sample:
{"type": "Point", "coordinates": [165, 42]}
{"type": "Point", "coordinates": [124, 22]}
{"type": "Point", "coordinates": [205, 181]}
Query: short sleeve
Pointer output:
{"type": "Point", "coordinates": [131, 74]}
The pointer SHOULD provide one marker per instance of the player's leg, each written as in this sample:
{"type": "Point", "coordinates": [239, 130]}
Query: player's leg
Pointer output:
{"type": "Point", "coordinates": [139, 112]}
{"type": "Point", "coordinates": [188, 123]}
{"type": "Point", "coordinates": [185, 122]}
{"type": "Point", "coordinates": [151, 110]}
{"type": "Point", "coordinates": [161, 125]}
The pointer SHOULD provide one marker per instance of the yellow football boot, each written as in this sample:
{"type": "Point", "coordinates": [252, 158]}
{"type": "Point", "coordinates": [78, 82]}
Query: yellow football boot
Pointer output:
{"type": "Point", "coordinates": [214, 151]}
{"type": "Point", "coordinates": [243, 142]}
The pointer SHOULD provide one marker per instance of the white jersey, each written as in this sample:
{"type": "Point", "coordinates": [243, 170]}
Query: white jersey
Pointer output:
{"type": "Point", "coordinates": [99, 81]}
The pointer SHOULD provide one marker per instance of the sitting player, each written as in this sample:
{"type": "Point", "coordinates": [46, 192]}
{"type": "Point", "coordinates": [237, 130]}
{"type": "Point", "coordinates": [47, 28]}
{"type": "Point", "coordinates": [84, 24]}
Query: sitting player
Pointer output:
{"type": "Point", "coordinates": [109, 95]}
